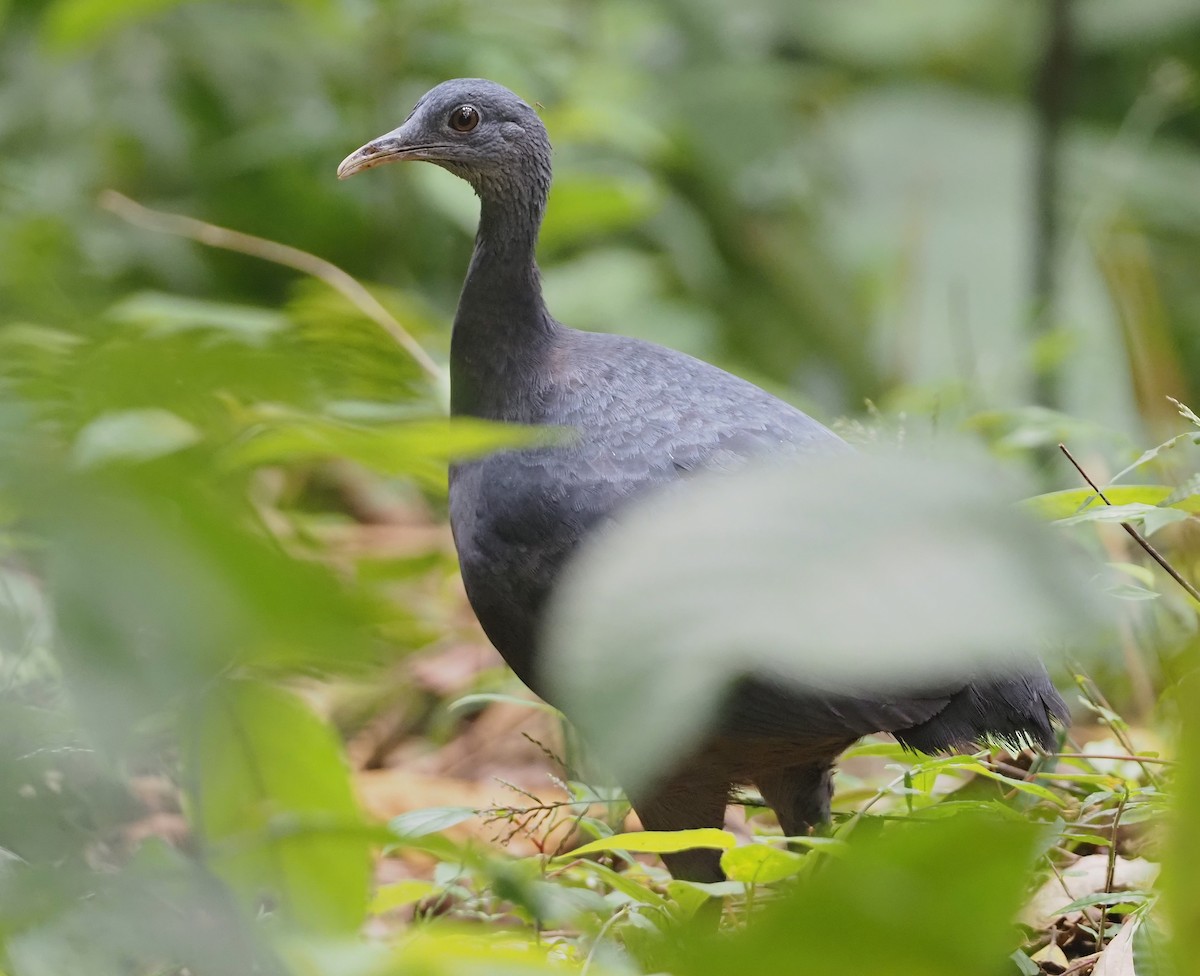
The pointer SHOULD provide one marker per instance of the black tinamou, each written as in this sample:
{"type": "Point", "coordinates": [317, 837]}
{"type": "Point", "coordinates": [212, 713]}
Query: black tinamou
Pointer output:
{"type": "Point", "coordinates": [644, 416]}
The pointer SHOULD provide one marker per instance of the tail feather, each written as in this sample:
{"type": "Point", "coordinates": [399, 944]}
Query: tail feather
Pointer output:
{"type": "Point", "coordinates": [1017, 711]}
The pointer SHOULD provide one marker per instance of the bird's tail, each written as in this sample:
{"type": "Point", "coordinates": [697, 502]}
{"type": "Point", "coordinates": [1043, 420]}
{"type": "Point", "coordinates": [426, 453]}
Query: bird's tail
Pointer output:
{"type": "Point", "coordinates": [1016, 711]}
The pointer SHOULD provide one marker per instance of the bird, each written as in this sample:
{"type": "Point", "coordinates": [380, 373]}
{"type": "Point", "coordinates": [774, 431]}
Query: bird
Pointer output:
{"type": "Point", "coordinates": [643, 417]}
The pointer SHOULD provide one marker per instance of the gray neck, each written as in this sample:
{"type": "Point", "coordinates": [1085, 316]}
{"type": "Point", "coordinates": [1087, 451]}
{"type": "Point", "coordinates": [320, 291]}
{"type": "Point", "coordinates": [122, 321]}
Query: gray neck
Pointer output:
{"type": "Point", "coordinates": [503, 334]}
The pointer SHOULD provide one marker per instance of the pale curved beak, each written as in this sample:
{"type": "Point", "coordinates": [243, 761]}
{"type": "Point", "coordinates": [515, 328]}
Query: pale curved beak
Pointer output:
{"type": "Point", "coordinates": [405, 142]}
{"type": "Point", "coordinates": [385, 149]}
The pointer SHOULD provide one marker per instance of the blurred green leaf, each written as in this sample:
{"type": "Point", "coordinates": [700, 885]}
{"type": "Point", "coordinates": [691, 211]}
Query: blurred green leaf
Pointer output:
{"type": "Point", "coordinates": [1181, 862]}
{"type": "Point", "coordinates": [862, 575]}
{"type": "Point", "coordinates": [158, 912]}
{"type": "Point", "coordinates": [269, 789]}
{"type": "Point", "coordinates": [760, 864]}
{"type": "Point", "coordinates": [1151, 948]}
{"type": "Point", "coordinates": [1147, 456]}
{"type": "Point", "coordinates": [162, 314]}
{"type": "Point", "coordinates": [420, 448]}
{"type": "Point", "coordinates": [658, 842]}
{"type": "Point", "coordinates": [1025, 965]}
{"type": "Point", "coordinates": [1020, 785]}
{"type": "Point", "coordinates": [1064, 504]}
{"type": "Point", "coordinates": [159, 586]}
{"type": "Point", "coordinates": [1157, 518]}
{"type": "Point", "coordinates": [418, 823]}
{"type": "Point", "coordinates": [618, 881]}
{"type": "Point", "coordinates": [917, 900]}
{"type": "Point", "coordinates": [389, 897]}
{"type": "Point", "coordinates": [1130, 512]}
{"type": "Point", "coordinates": [133, 435]}
{"type": "Point", "coordinates": [438, 950]}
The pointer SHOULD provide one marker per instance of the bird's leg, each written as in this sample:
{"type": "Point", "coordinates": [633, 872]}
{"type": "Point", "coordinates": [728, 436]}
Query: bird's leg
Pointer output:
{"type": "Point", "coordinates": [681, 803]}
{"type": "Point", "coordinates": [799, 795]}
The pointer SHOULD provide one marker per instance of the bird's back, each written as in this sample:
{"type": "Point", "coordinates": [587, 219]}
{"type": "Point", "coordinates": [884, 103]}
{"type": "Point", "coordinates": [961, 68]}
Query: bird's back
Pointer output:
{"type": "Point", "coordinates": [637, 417]}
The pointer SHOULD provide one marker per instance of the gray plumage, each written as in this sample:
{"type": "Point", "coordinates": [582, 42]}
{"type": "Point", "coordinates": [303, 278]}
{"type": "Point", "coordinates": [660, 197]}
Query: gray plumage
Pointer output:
{"type": "Point", "coordinates": [643, 416]}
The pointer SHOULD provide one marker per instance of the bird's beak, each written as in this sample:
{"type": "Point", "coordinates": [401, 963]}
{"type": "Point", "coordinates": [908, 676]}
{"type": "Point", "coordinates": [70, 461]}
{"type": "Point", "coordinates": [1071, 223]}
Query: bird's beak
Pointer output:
{"type": "Point", "coordinates": [388, 148]}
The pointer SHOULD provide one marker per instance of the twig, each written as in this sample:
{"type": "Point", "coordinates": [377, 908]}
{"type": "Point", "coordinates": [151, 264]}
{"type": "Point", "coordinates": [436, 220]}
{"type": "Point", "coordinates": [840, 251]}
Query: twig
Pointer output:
{"type": "Point", "coordinates": [1111, 871]}
{"type": "Point", "coordinates": [1137, 537]}
{"type": "Point", "coordinates": [291, 257]}
{"type": "Point", "coordinates": [530, 819]}
{"type": "Point", "coordinates": [1112, 850]}
{"type": "Point", "coordinates": [501, 813]}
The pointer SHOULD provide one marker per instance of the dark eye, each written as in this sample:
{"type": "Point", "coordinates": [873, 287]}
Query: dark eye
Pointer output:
{"type": "Point", "coordinates": [464, 118]}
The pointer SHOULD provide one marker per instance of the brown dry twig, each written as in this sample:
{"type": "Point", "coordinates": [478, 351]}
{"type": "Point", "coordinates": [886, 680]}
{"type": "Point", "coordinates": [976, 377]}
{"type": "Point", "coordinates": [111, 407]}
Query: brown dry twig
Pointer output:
{"type": "Point", "coordinates": [259, 247]}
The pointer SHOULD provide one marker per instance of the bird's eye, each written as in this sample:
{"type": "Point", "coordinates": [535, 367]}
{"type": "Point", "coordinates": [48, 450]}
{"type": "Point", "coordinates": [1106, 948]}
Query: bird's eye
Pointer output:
{"type": "Point", "coordinates": [464, 118]}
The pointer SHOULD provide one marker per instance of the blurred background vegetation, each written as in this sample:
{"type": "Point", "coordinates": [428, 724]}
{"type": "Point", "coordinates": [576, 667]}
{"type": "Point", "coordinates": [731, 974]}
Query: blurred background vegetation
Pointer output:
{"type": "Point", "coordinates": [221, 482]}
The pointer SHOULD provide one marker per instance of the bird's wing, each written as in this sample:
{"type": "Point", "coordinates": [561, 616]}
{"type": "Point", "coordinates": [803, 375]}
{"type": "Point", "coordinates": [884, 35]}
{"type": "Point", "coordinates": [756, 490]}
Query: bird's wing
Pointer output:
{"type": "Point", "coordinates": [1017, 709]}
{"type": "Point", "coordinates": [772, 705]}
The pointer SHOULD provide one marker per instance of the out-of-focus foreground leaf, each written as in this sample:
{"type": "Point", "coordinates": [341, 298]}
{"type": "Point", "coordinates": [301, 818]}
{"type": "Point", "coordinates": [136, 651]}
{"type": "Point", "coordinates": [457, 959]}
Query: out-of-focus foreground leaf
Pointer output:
{"type": "Point", "coordinates": [861, 574]}
{"type": "Point", "coordinates": [1181, 866]}
{"type": "Point", "coordinates": [420, 449]}
{"type": "Point", "coordinates": [273, 807]}
{"type": "Point", "coordinates": [1072, 501]}
{"type": "Point", "coordinates": [921, 899]}
{"type": "Point", "coordinates": [160, 907]}
{"type": "Point", "coordinates": [159, 586]}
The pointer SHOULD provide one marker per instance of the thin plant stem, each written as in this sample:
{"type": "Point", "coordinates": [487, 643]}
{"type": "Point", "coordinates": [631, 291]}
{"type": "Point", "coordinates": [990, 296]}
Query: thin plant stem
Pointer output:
{"type": "Point", "coordinates": [1111, 870]}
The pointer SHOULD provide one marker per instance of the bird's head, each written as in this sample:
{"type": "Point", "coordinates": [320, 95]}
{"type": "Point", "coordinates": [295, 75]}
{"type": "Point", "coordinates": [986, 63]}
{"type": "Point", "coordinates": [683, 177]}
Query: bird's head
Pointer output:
{"type": "Point", "coordinates": [475, 128]}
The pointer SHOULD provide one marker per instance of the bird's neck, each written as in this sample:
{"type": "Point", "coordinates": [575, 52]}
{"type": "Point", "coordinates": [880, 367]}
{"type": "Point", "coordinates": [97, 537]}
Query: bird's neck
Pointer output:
{"type": "Point", "coordinates": [503, 333]}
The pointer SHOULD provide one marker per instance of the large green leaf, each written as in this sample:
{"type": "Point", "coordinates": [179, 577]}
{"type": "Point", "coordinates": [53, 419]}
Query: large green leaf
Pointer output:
{"type": "Point", "coordinates": [1181, 863]}
{"type": "Point", "coordinates": [159, 912]}
{"type": "Point", "coordinates": [273, 807]}
{"type": "Point", "coordinates": [919, 900]}
{"type": "Point", "coordinates": [133, 435]}
{"type": "Point", "coordinates": [163, 314]}
{"type": "Point", "coordinates": [1072, 501]}
{"type": "Point", "coordinates": [420, 448]}
{"type": "Point", "coordinates": [159, 585]}
{"type": "Point", "coordinates": [868, 575]}
{"type": "Point", "coordinates": [760, 864]}
{"type": "Point", "coordinates": [659, 842]}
